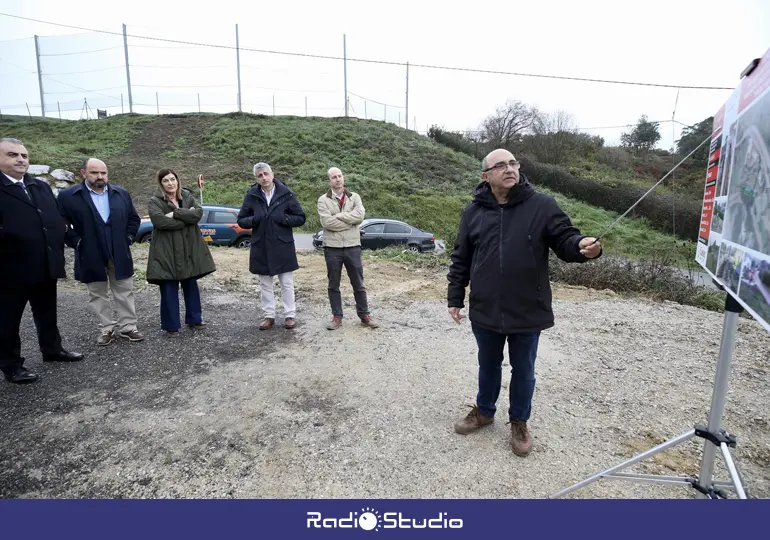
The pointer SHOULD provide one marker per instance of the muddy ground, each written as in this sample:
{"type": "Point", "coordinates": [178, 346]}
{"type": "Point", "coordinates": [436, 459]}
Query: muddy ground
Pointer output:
{"type": "Point", "coordinates": [234, 412]}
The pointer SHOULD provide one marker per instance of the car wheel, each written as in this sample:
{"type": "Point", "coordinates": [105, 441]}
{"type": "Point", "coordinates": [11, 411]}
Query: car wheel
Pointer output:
{"type": "Point", "coordinates": [243, 242]}
{"type": "Point", "coordinates": [414, 248]}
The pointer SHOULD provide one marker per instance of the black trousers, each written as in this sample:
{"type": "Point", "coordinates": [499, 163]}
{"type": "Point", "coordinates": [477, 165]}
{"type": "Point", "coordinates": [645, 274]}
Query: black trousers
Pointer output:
{"type": "Point", "coordinates": [13, 300]}
{"type": "Point", "coordinates": [350, 258]}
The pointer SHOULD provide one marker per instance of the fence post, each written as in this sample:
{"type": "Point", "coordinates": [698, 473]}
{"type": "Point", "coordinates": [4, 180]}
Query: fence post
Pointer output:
{"type": "Point", "coordinates": [305, 106]}
{"type": "Point", "coordinates": [39, 76]}
{"type": "Point", "coordinates": [385, 118]}
{"type": "Point", "coordinates": [238, 62]}
{"type": "Point", "coordinates": [121, 103]}
{"type": "Point", "coordinates": [365, 115]}
{"type": "Point", "coordinates": [407, 96]}
{"type": "Point", "coordinates": [28, 112]}
{"type": "Point", "coordinates": [157, 103]}
{"type": "Point", "coordinates": [199, 103]}
{"type": "Point", "coordinates": [273, 105]}
{"type": "Point", "coordinates": [128, 71]}
{"type": "Point", "coordinates": [58, 107]}
{"type": "Point", "coordinates": [345, 69]}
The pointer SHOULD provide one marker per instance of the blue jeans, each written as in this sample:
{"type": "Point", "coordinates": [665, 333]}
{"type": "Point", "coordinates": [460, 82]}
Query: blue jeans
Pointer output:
{"type": "Point", "coordinates": [522, 351]}
{"type": "Point", "coordinates": [169, 304]}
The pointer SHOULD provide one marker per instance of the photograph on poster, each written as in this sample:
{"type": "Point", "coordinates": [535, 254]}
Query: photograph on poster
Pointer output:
{"type": "Point", "coordinates": [747, 219]}
{"type": "Point", "coordinates": [715, 241]}
{"type": "Point", "coordinates": [729, 266]}
{"type": "Point", "coordinates": [718, 219]}
{"type": "Point", "coordinates": [725, 161]}
{"type": "Point", "coordinates": [755, 284]}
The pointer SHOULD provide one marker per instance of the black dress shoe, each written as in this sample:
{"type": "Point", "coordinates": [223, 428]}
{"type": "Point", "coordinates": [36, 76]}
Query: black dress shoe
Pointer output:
{"type": "Point", "coordinates": [63, 356]}
{"type": "Point", "coordinates": [21, 376]}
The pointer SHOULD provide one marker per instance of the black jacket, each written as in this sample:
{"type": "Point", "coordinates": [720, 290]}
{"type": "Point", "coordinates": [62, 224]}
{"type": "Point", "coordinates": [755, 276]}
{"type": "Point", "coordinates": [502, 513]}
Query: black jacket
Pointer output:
{"type": "Point", "coordinates": [87, 236]}
{"type": "Point", "coordinates": [503, 252]}
{"type": "Point", "coordinates": [31, 233]}
{"type": "Point", "coordinates": [272, 241]}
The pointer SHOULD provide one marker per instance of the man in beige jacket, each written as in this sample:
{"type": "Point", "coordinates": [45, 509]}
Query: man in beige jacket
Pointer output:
{"type": "Point", "coordinates": [341, 211]}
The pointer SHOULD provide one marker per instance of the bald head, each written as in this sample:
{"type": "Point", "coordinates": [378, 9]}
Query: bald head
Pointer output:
{"type": "Point", "coordinates": [336, 180]}
{"type": "Point", "coordinates": [94, 172]}
{"type": "Point", "coordinates": [496, 156]}
{"type": "Point", "coordinates": [501, 169]}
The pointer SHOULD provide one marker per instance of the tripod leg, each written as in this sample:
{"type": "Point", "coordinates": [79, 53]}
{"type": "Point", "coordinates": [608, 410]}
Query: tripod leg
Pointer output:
{"type": "Point", "coordinates": [641, 457]}
{"type": "Point", "coordinates": [719, 395]}
{"type": "Point", "coordinates": [733, 471]}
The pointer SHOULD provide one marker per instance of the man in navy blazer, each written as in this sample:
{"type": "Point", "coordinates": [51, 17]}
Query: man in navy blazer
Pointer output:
{"type": "Point", "coordinates": [102, 225]}
{"type": "Point", "coordinates": [31, 260]}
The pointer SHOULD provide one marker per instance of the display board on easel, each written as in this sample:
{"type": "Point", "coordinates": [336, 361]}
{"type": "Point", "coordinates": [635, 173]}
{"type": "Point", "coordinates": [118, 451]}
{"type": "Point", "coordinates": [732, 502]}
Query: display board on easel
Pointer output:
{"type": "Point", "coordinates": [734, 237]}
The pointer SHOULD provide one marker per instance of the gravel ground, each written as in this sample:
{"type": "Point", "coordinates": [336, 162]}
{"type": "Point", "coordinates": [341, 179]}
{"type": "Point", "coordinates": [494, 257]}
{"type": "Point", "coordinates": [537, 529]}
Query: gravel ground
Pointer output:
{"type": "Point", "coordinates": [234, 412]}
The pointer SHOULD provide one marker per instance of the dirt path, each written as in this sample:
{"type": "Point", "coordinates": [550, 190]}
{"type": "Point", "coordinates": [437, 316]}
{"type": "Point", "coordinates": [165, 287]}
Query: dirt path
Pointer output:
{"type": "Point", "coordinates": [235, 412]}
{"type": "Point", "coordinates": [176, 142]}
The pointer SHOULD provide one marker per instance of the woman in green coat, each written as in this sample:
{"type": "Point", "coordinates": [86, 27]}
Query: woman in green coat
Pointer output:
{"type": "Point", "coordinates": [178, 253]}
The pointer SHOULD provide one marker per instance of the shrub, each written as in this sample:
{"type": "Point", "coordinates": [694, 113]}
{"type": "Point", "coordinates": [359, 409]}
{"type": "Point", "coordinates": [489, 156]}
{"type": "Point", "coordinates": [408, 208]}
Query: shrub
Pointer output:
{"type": "Point", "coordinates": [656, 278]}
{"type": "Point", "coordinates": [615, 157]}
{"type": "Point", "coordinates": [658, 208]}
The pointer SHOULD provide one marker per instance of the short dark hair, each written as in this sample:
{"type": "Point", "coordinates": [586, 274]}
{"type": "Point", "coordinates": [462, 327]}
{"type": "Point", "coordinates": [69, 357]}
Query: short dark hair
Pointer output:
{"type": "Point", "coordinates": [84, 167]}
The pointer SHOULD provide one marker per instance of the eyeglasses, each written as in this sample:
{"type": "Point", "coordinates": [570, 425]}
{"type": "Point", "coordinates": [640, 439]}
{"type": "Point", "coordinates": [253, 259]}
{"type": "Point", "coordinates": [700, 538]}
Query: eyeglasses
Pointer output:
{"type": "Point", "coordinates": [503, 165]}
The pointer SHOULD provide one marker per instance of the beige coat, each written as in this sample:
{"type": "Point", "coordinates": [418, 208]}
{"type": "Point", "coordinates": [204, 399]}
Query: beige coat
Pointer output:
{"type": "Point", "coordinates": [341, 225]}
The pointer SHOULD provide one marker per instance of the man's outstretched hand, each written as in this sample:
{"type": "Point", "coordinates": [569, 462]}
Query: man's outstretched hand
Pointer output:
{"type": "Point", "coordinates": [454, 312]}
{"type": "Point", "coordinates": [588, 249]}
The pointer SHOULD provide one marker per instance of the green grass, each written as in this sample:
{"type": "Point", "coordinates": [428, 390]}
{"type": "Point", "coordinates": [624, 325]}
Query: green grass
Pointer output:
{"type": "Point", "coordinates": [398, 173]}
{"type": "Point", "coordinates": [66, 143]}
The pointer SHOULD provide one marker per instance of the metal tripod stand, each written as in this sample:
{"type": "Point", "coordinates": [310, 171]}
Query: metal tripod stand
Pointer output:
{"type": "Point", "coordinates": [715, 437]}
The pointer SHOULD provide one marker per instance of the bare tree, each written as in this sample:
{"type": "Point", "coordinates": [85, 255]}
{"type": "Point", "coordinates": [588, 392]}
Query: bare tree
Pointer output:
{"type": "Point", "coordinates": [508, 123]}
{"type": "Point", "coordinates": [559, 121]}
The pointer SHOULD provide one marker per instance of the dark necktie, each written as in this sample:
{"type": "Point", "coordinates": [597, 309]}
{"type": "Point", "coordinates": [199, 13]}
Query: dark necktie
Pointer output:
{"type": "Point", "coordinates": [24, 189]}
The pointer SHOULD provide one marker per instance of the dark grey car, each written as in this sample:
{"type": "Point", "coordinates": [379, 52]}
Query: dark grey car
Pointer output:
{"type": "Point", "coordinates": [379, 233]}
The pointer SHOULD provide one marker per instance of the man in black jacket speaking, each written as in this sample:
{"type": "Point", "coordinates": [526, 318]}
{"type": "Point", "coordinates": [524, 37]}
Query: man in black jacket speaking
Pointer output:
{"type": "Point", "coordinates": [502, 250]}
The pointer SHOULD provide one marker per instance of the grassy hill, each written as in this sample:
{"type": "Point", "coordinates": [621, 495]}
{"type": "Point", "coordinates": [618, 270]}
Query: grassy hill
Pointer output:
{"type": "Point", "coordinates": [398, 173]}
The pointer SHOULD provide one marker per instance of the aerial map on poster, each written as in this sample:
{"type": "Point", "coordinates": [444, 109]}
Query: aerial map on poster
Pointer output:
{"type": "Point", "coordinates": [734, 237]}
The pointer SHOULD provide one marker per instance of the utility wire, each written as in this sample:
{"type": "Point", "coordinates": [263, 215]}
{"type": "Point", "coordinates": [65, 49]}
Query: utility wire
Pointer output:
{"type": "Point", "coordinates": [707, 139]}
{"type": "Point", "coordinates": [83, 52]}
{"type": "Point", "coordinates": [88, 71]}
{"type": "Point", "coordinates": [375, 101]}
{"type": "Point", "coordinates": [381, 62]}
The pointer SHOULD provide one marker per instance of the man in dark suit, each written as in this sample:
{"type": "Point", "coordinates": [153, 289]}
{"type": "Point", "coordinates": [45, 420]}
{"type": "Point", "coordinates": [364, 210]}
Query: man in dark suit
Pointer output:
{"type": "Point", "coordinates": [31, 260]}
{"type": "Point", "coordinates": [102, 225]}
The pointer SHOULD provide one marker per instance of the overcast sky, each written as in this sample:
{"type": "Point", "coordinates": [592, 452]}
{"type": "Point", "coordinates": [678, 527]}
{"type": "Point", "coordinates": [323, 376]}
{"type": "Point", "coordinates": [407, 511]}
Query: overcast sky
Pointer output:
{"type": "Point", "coordinates": [694, 43]}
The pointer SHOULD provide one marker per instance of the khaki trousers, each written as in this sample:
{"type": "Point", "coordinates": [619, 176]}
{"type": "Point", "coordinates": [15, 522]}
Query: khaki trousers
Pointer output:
{"type": "Point", "coordinates": [122, 295]}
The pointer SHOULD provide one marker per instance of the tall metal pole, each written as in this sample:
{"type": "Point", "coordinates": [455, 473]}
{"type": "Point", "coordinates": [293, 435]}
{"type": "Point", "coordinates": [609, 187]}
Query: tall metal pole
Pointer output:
{"type": "Point", "coordinates": [238, 61]}
{"type": "Point", "coordinates": [407, 95]}
{"type": "Point", "coordinates": [128, 71]}
{"type": "Point", "coordinates": [345, 69]}
{"type": "Point", "coordinates": [39, 76]}
{"type": "Point", "coordinates": [719, 395]}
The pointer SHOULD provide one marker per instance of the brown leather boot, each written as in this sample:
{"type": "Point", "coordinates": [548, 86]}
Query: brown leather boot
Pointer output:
{"type": "Point", "coordinates": [473, 421]}
{"type": "Point", "coordinates": [267, 324]}
{"type": "Point", "coordinates": [335, 323]}
{"type": "Point", "coordinates": [521, 438]}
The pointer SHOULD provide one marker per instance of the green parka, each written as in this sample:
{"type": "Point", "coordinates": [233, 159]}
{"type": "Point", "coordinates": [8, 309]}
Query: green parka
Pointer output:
{"type": "Point", "coordinates": [177, 250]}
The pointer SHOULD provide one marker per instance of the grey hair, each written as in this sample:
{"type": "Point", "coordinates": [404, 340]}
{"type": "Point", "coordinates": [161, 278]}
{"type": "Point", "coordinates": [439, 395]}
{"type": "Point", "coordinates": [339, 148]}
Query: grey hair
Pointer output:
{"type": "Point", "coordinates": [10, 140]}
{"type": "Point", "coordinates": [261, 166]}
{"type": "Point", "coordinates": [484, 164]}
